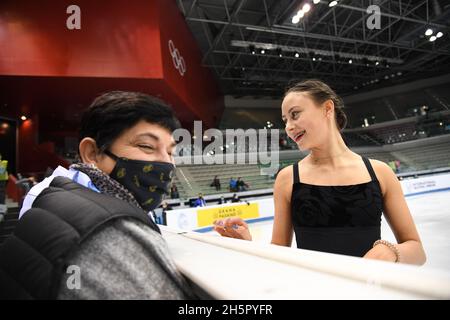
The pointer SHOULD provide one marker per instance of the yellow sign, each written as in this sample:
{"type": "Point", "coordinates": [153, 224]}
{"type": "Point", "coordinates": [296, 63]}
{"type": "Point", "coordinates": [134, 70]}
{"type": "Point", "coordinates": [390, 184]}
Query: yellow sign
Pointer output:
{"type": "Point", "coordinates": [206, 217]}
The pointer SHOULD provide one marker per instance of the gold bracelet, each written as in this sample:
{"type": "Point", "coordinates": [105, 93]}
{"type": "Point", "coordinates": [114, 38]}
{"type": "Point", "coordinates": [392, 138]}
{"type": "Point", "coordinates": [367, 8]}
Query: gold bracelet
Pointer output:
{"type": "Point", "coordinates": [390, 246]}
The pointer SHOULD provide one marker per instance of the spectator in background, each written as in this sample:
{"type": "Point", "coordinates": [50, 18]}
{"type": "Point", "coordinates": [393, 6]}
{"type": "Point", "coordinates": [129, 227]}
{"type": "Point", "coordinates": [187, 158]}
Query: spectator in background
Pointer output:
{"type": "Point", "coordinates": [174, 191]}
{"type": "Point", "coordinates": [241, 185]}
{"type": "Point", "coordinates": [3, 179]}
{"type": "Point", "coordinates": [233, 185]}
{"type": "Point", "coordinates": [200, 202]}
{"type": "Point", "coordinates": [216, 183]}
{"type": "Point", "coordinates": [235, 198]}
{"type": "Point", "coordinates": [397, 166]}
{"type": "Point", "coordinates": [222, 200]}
{"type": "Point", "coordinates": [165, 207]}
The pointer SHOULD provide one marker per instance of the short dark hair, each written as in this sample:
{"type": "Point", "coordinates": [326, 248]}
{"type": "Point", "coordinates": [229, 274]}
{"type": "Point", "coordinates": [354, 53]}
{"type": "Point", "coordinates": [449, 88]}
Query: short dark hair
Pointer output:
{"type": "Point", "coordinates": [112, 113]}
{"type": "Point", "coordinates": [321, 92]}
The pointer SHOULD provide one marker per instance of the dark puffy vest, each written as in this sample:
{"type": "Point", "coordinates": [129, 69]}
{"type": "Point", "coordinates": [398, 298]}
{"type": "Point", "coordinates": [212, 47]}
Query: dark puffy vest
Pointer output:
{"type": "Point", "coordinates": [33, 259]}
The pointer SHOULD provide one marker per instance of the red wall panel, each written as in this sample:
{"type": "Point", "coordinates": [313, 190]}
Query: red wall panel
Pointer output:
{"type": "Point", "coordinates": [196, 87]}
{"type": "Point", "coordinates": [117, 39]}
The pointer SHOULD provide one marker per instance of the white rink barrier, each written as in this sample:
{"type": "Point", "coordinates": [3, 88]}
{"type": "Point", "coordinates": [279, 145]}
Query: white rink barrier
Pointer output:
{"type": "Point", "coordinates": [236, 269]}
{"type": "Point", "coordinates": [201, 219]}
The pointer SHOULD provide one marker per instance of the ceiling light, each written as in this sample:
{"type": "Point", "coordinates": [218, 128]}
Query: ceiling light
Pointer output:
{"type": "Point", "coordinates": [439, 34]}
{"type": "Point", "coordinates": [350, 61]}
{"type": "Point", "coordinates": [297, 55]}
{"type": "Point", "coordinates": [306, 7]}
{"type": "Point", "coordinates": [263, 51]}
{"type": "Point", "coordinates": [433, 38]}
{"type": "Point", "coordinates": [279, 52]}
{"type": "Point", "coordinates": [332, 4]}
{"type": "Point", "coordinates": [316, 1]}
{"type": "Point", "coordinates": [296, 19]}
{"type": "Point", "coordinates": [23, 118]}
{"type": "Point", "coordinates": [429, 32]}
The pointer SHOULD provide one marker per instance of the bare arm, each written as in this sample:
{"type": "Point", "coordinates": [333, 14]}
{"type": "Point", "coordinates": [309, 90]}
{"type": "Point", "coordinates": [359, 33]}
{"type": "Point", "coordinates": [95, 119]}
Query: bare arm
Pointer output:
{"type": "Point", "coordinates": [399, 218]}
{"type": "Point", "coordinates": [282, 222]}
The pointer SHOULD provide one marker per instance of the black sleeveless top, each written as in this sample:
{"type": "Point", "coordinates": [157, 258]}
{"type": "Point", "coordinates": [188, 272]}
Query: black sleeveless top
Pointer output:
{"type": "Point", "coordinates": [337, 219]}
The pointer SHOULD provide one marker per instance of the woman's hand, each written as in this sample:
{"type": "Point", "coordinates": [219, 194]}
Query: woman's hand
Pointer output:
{"type": "Point", "coordinates": [233, 228]}
{"type": "Point", "coordinates": [381, 252]}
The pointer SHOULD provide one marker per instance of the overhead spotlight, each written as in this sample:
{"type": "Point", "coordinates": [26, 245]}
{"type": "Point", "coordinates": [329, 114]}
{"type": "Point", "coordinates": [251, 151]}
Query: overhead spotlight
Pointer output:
{"type": "Point", "coordinates": [314, 59]}
{"type": "Point", "coordinates": [263, 51]}
{"type": "Point", "coordinates": [296, 19]}
{"type": "Point", "coordinates": [386, 77]}
{"type": "Point", "coordinates": [279, 52]}
{"type": "Point", "coordinates": [429, 32]}
{"type": "Point", "coordinates": [399, 73]}
{"type": "Point", "coordinates": [316, 1]}
{"type": "Point", "coordinates": [377, 63]}
{"type": "Point", "coordinates": [252, 49]}
{"type": "Point", "coordinates": [350, 61]}
{"type": "Point", "coordinates": [433, 38]}
{"type": "Point", "coordinates": [23, 118]}
{"type": "Point", "coordinates": [439, 34]}
{"type": "Point", "coordinates": [306, 7]}
{"type": "Point", "coordinates": [332, 4]}
{"type": "Point", "coordinates": [297, 54]}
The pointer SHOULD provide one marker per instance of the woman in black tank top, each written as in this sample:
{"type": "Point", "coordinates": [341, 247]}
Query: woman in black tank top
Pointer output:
{"type": "Point", "coordinates": [338, 211]}
{"type": "Point", "coordinates": [337, 219]}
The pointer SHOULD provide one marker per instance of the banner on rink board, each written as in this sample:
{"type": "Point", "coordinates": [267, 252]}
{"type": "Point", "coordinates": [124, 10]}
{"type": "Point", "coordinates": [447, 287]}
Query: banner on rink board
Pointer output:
{"type": "Point", "coordinates": [426, 184]}
{"type": "Point", "coordinates": [195, 218]}
{"type": "Point", "coordinates": [206, 217]}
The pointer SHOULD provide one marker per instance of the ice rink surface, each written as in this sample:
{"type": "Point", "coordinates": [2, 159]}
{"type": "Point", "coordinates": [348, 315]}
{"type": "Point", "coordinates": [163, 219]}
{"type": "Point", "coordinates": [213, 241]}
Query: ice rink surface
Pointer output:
{"type": "Point", "coordinates": [431, 213]}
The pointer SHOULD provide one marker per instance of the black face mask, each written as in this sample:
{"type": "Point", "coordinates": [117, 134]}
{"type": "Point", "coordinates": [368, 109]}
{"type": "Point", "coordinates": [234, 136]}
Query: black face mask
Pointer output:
{"type": "Point", "coordinates": [148, 181]}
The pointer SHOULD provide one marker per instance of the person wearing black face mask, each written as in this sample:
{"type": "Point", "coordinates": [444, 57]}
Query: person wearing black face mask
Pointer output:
{"type": "Point", "coordinates": [148, 181]}
{"type": "Point", "coordinates": [95, 216]}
